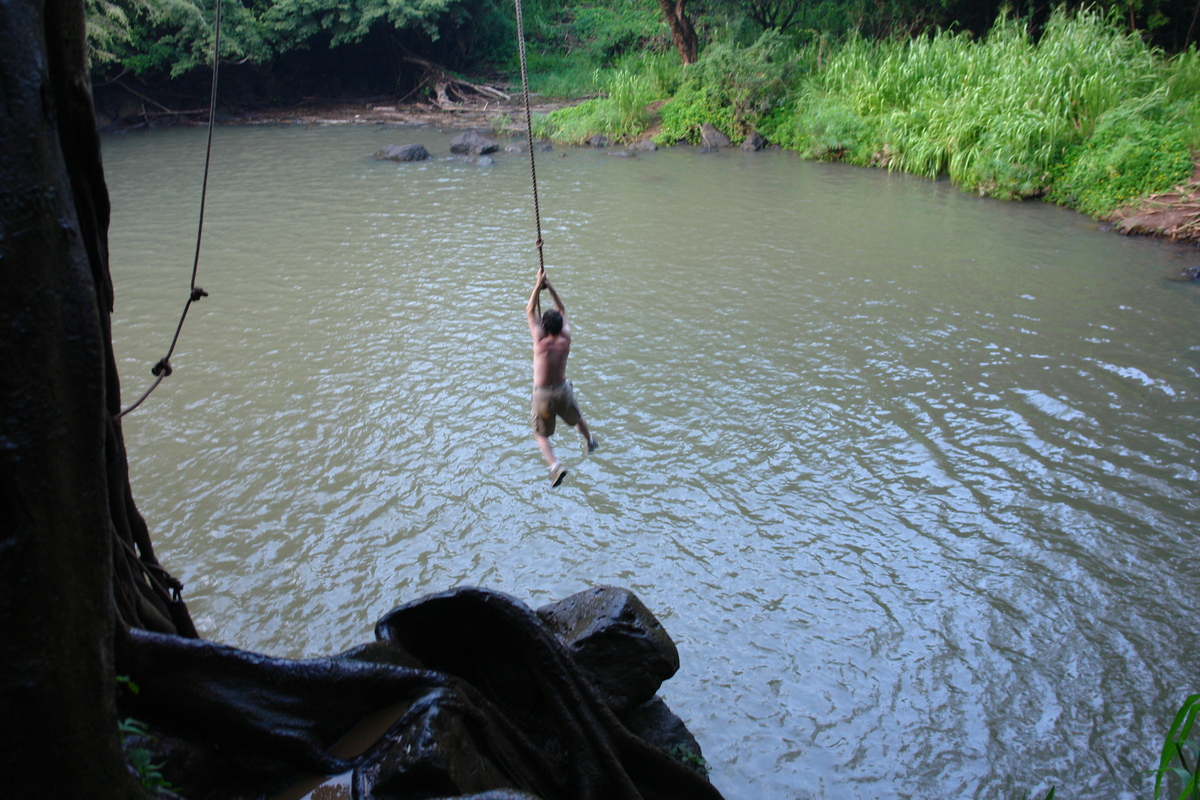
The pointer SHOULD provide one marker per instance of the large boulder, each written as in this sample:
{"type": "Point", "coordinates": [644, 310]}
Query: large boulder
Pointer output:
{"type": "Point", "coordinates": [402, 152]}
{"type": "Point", "coordinates": [711, 138]}
{"type": "Point", "coordinates": [472, 143]}
{"type": "Point", "coordinates": [617, 643]}
{"type": "Point", "coordinates": [643, 146]}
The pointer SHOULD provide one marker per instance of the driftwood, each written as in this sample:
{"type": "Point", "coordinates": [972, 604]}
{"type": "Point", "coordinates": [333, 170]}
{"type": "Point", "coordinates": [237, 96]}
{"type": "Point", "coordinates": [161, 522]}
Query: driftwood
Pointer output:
{"type": "Point", "coordinates": [451, 93]}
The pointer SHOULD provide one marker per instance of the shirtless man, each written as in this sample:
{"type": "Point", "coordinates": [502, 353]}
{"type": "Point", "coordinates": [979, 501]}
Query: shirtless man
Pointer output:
{"type": "Point", "coordinates": [552, 393]}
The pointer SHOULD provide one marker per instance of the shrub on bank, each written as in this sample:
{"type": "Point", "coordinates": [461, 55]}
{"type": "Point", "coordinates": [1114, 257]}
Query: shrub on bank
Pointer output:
{"type": "Point", "coordinates": [1126, 158]}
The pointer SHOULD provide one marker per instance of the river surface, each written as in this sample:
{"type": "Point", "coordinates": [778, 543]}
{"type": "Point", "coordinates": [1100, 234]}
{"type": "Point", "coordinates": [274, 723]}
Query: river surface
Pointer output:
{"type": "Point", "coordinates": [909, 476]}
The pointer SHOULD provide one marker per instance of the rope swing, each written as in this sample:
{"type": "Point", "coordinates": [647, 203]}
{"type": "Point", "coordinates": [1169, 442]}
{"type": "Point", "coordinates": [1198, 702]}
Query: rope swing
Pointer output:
{"type": "Point", "coordinates": [537, 215]}
{"type": "Point", "coordinates": [163, 368]}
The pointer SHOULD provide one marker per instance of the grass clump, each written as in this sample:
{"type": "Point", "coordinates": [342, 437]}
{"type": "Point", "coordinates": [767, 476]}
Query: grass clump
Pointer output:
{"type": "Point", "coordinates": [995, 116]}
{"type": "Point", "coordinates": [1179, 754]}
{"type": "Point", "coordinates": [622, 112]}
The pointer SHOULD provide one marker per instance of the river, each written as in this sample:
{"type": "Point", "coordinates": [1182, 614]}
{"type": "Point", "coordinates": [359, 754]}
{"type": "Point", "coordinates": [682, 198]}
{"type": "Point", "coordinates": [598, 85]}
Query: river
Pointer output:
{"type": "Point", "coordinates": [910, 476]}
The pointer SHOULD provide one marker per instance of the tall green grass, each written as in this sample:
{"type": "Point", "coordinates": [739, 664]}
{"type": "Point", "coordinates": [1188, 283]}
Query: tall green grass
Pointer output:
{"type": "Point", "coordinates": [1008, 115]}
{"type": "Point", "coordinates": [623, 111]}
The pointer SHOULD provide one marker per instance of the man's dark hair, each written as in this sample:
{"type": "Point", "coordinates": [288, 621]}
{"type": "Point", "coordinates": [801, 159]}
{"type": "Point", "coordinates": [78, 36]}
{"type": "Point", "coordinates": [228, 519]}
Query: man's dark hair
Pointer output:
{"type": "Point", "coordinates": [552, 322]}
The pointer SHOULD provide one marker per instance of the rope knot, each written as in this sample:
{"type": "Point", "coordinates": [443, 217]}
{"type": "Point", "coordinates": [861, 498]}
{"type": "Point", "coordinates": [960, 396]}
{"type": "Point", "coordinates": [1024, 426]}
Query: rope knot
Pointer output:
{"type": "Point", "coordinates": [197, 293]}
{"type": "Point", "coordinates": [538, 244]}
{"type": "Point", "coordinates": [163, 368]}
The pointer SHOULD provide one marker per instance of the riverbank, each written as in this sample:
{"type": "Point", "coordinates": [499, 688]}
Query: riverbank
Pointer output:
{"type": "Point", "coordinates": [1173, 215]}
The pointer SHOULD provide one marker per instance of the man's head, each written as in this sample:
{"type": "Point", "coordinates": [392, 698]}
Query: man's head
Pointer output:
{"type": "Point", "coordinates": [552, 322]}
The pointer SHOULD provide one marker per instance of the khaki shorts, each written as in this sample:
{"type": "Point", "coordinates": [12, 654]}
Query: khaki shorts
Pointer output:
{"type": "Point", "coordinates": [549, 402]}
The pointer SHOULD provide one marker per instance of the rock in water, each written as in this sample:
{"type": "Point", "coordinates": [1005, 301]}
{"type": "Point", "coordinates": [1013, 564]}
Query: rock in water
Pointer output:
{"type": "Point", "coordinates": [616, 641]}
{"type": "Point", "coordinates": [472, 143]}
{"type": "Point", "coordinates": [754, 142]}
{"type": "Point", "coordinates": [402, 152]}
{"type": "Point", "coordinates": [711, 138]}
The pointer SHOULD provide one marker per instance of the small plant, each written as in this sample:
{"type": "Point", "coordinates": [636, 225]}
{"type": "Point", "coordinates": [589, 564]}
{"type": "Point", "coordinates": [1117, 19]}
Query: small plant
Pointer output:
{"type": "Point", "coordinates": [141, 759]}
{"type": "Point", "coordinates": [690, 758]}
{"type": "Point", "coordinates": [1177, 746]}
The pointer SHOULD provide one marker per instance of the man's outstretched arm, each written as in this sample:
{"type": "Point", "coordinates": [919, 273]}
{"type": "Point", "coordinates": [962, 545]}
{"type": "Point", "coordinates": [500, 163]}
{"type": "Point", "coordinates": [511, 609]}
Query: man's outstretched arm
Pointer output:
{"type": "Point", "coordinates": [557, 303]}
{"type": "Point", "coordinates": [533, 309]}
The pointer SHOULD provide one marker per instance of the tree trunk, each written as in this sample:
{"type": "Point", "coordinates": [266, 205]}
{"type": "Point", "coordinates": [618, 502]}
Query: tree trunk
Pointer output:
{"type": "Point", "coordinates": [64, 490]}
{"type": "Point", "coordinates": [681, 29]}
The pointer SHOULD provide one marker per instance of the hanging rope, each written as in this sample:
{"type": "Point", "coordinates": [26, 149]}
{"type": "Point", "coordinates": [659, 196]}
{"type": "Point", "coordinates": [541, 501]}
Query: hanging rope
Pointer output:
{"type": "Point", "coordinates": [537, 215]}
{"type": "Point", "coordinates": [163, 368]}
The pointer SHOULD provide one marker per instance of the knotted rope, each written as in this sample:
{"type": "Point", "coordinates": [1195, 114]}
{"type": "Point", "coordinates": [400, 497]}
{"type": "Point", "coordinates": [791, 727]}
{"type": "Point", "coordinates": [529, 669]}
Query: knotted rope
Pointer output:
{"type": "Point", "coordinates": [163, 368]}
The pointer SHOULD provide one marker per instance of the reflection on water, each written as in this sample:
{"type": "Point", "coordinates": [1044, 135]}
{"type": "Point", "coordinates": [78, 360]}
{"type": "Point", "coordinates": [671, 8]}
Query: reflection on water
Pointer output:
{"type": "Point", "coordinates": [908, 475]}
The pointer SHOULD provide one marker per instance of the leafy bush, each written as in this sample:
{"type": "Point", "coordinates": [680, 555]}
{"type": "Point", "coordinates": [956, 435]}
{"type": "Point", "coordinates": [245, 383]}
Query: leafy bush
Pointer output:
{"type": "Point", "coordinates": [692, 106]}
{"type": "Point", "coordinates": [622, 113]}
{"type": "Point", "coordinates": [751, 80]}
{"type": "Point", "coordinates": [1127, 157]}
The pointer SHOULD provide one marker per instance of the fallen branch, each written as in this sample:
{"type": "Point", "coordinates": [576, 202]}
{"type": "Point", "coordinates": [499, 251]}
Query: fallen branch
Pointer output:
{"type": "Point", "coordinates": [451, 93]}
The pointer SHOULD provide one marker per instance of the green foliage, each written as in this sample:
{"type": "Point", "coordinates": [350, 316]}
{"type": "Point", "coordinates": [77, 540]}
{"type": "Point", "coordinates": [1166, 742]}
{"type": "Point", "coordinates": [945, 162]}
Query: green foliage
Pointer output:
{"type": "Point", "coordinates": [997, 116]}
{"type": "Point", "coordinates": [623, 113]}
{"type": "Point", "coordinates": [1128, 156]}
{"type": "Point", "coordinates": [1176, 746]}
{"type": "Point", "coordinates": [692, 106]}
{"type": "Point", "coordinates": [690, 758]}
{"type": "Point", "coordinates": [141, 759]}
{"type": "Point", "coordinates": [568, 45]}
{"type": "Point", "coordinates": [751, 80]}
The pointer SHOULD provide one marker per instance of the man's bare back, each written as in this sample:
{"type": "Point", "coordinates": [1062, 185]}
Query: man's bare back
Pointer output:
{"type": "Point", "coordinates": [550, 357]}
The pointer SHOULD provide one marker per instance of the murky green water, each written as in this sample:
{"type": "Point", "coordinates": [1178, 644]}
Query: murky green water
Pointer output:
{"type": "Point", "coordinates": [910, 477]}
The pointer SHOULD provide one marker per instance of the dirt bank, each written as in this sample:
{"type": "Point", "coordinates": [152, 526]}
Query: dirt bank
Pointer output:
{"type": "Point", "coordinates": [1172, 215]}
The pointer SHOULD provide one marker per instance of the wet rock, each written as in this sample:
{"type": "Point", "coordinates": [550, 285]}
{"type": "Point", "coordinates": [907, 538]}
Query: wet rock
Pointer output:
{"type": "Point", "coordinates": [599, 140]}
{"type": "Point", "coordinates": [753, 143]}
{"type": "Point", "coordinates": [544, 146]}
{"type": "Point", "coordinates": [643, 146]}
{"type": "Point", "coordinates": [472, 143]}
{"type": "Point", "coordinates": [617, 643]}
{"type": "Point", "coordinates": [514, 148]}
{"type": "Point", "coordinates": [402, 152]}
{"type": "Point", "coordinates": [711, 138]}
{"type": "Point", "coordinates": [485, 161]}
{"type": "Point", "coordinates": [483, 698]}
{"type": "Point", "coordinates": [657, 724]}
{"type": "Point", "coordinates": [621, 154]}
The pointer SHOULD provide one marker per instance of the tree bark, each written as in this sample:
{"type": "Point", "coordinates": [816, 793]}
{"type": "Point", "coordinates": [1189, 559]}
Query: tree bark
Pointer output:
{"type": "Point", "coordinates": [682, 30]}
{"type": "Point", "coordinates": [64, 490]}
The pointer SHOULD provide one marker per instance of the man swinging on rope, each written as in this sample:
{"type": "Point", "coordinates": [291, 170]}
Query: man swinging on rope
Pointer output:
{"type": "Point", "coordinates": [552, 393]}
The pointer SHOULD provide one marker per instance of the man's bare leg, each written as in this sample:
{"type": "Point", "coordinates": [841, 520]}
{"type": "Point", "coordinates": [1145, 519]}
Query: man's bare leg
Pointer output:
{"type": "Point", "coordinates": [543, 443]}
{"type": "Point", "coordinates": [586, 433]}
{"type": "Point", "coordinates": [557, 470]}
